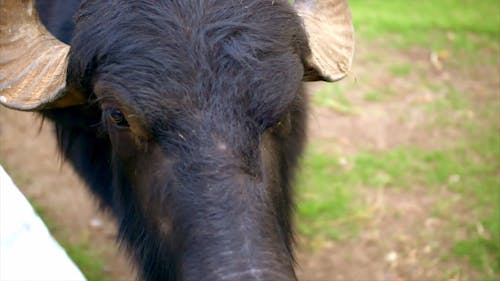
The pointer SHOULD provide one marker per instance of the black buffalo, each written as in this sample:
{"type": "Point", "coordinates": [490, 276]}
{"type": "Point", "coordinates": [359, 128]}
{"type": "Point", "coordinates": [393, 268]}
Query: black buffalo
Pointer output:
{"type": "Point", "coordinates": [185, 118]}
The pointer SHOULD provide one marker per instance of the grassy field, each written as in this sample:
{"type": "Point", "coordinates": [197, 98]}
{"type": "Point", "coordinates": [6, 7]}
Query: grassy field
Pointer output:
{"type": "Point", "coordinates": [438, 60]}
{"type": "Point", "coordinates": [471, 24]}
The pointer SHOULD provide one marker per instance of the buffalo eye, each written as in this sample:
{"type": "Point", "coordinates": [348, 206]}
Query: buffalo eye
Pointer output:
{"type": "Point", "coordinates": [117, 118]}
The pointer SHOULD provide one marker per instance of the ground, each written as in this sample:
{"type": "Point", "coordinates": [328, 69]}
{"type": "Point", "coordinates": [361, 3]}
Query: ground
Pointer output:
{"type": "Point", "coordinates": [400, 180]}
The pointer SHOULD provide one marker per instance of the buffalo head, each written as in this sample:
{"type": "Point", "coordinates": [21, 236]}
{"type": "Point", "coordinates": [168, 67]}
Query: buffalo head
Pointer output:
{"type": "Point", "coordinates": [185, 118]}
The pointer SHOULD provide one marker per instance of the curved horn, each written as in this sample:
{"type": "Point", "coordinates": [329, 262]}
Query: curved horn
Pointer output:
{"type": "Point", "coordinates": [328, 25]}
{"type": "Point", "coordinates": [32, 62]}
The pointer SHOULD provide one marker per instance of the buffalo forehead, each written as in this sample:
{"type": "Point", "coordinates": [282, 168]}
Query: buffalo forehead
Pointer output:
{"type": "Point", "coordinates": [230, 56]}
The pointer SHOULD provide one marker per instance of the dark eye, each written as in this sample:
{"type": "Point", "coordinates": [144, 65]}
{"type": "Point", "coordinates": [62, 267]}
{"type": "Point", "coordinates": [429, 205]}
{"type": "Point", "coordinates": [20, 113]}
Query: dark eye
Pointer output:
{"type": "Point", "coordinates": [117, 118]}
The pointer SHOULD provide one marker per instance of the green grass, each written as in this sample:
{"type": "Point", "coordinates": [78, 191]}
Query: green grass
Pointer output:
{"type": "Point", "coordinates": [468, 166]}
{"type": "Point", "coordinates": [327, 205]}
{"type": "Point", "coordinates": [453, 100]}
{"type": "Point", "coordinates": [400, 70]}
{"type": "Point", "coordinates": [468, 24]}
{"type": "Point", "coordinates": [82, 254]}
{"type": "Point", "coordinates": [332, 96]}
{"type": "Point", "coordinates": [326, 188]}
{"type": "Point", "coordinates": [323, 200]}
{"type": "Point", "coordinates": [89, 262]}
{"type": "Point", "coordinates": [480, 184]}
{"type": "Point", "coordinates": [379, 94]}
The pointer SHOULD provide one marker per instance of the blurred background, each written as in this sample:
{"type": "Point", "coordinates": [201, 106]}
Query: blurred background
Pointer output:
{"type": "Point", "coordinates": [401, 178]}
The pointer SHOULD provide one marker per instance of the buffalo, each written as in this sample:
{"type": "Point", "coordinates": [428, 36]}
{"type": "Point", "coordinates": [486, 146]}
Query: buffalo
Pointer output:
{"type": "Point", "coordinates": [185, 118]}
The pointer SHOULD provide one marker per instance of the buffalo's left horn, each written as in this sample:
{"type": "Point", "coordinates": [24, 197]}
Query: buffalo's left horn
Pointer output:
{"type": "Point", "coordinates": [32, 62]}
{"type": "Point", "coordinates": [330, 32]}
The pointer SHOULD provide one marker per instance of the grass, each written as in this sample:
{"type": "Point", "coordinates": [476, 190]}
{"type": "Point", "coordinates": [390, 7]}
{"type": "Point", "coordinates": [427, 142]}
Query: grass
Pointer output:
{"type": "Point", "coordinates": [466, 25]}
{"type": "Point", "coordinates": [453, 100]}
{"type": "Point", "coordinates": [479, 183]}
{"type": "Point", "coordinates": [332, 96]}
{"type": "Point", "coordinates": [327, 191]}
{"type": "Point", "coordinates": [400, 70]}
{"type": "Point", "coordinates": [323, 201]}
{"type": "Point", "coordinates": [379, 94]}
{"type": "Point", "coordinates": [89, 262]}
{"type": "Point", "coordinates": [82, 254]}
{"type": "Point", "coordinates": [468, 32]}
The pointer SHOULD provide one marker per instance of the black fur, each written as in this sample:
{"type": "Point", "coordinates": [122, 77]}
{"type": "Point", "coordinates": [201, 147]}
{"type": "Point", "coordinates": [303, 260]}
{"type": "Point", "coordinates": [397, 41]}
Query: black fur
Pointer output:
{"type": "Point", "coordinates": [200, 182]}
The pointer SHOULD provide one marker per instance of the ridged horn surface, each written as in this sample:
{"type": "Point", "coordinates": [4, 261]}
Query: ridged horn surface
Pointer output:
{"type": "Point", "coordinates": [328, 24]}
{"type": "Point", "coordinates": [32, 62]}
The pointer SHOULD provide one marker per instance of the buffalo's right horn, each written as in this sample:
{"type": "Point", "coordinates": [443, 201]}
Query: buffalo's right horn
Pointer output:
{"type": "Point", "coordinates": [32, 62]}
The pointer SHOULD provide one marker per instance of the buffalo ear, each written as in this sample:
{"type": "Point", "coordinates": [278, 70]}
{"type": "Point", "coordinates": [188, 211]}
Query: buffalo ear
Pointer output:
{"type": "Point", "coordinates": [330, 33]}
{"type": "Point", "coordinates": [32, 62]}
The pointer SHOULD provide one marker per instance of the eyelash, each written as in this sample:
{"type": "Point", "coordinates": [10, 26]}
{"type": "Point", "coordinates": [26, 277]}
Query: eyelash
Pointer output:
{"type": "Point", "coordinates": [116, 118]}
